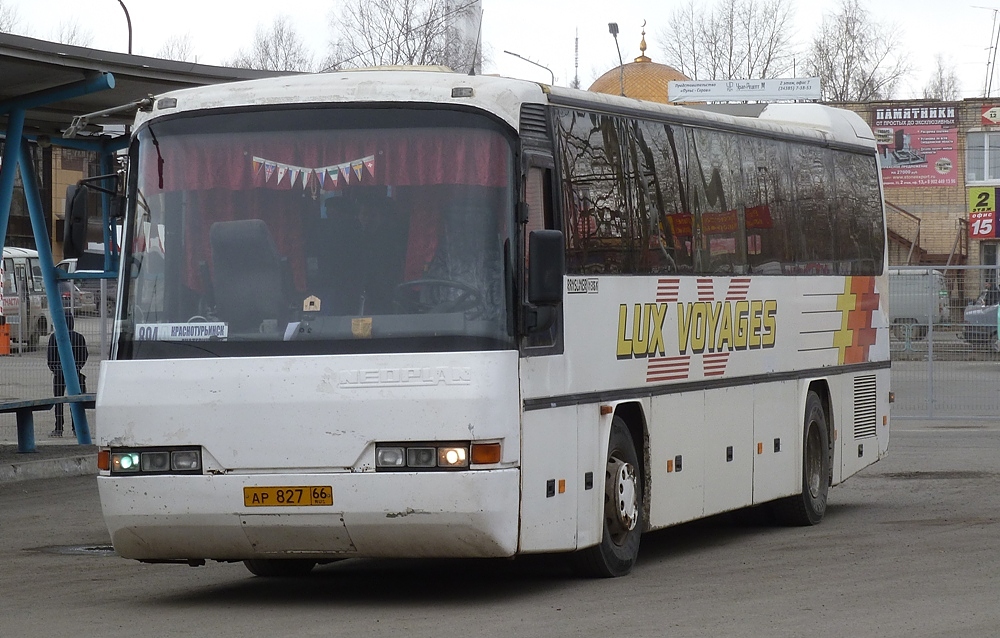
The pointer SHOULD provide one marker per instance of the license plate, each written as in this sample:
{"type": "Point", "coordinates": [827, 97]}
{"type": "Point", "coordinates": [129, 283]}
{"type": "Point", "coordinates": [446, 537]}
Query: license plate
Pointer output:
{"type": "Point", "coordinates": [294, 496]}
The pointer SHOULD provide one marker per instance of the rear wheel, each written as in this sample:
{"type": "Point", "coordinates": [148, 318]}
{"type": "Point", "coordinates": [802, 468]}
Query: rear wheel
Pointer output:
{"type": "Point", "coordinates": [615, 555]}
{"type": "Point", "coordinates": [809, 507]}
{"type": "Point", "coordinates": [279, 567]}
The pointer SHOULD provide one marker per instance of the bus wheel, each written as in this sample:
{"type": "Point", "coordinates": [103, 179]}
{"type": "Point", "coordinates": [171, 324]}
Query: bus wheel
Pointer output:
{"type": "Point", "coordinates": [616, 553]}
{"type": "Point", "coordinates": [809, 507]}
{"type": "Point", "coordinates": [279, 568]}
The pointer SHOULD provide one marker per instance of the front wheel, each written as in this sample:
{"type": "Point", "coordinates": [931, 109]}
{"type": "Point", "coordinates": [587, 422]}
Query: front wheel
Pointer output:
{"type": "Point", "coordinates": [615, 555]}
{"type": "Point", "coordinates": [279, 568]}
{"type": "Point", "coordinates": [809, 507]}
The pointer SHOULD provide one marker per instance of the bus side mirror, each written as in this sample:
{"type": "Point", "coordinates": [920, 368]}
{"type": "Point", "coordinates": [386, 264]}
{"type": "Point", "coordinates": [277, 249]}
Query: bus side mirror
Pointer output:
{"type": "Point", "coordinates": [75, 224]}
{"type": "Point", "coordinates": [546, 267]}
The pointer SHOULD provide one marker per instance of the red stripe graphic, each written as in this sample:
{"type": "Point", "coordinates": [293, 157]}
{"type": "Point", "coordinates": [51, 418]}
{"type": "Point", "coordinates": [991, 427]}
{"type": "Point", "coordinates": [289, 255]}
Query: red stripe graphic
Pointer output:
{"type": "Point", "coordinates": [738, 290]}
{"type": "Point", "coordinates": [714, 364]}
{"type": "Point", "coordinates": [668, 368]}
{"type": "Point", "coordinates": [706, 290]}
{"type": "Point", "coordinates": [667, 290]}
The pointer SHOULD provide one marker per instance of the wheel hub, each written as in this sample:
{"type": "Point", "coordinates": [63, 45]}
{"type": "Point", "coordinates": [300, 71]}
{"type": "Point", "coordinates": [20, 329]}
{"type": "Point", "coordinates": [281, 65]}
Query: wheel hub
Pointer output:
{"type": "Point", "coordinates": [622, 492]}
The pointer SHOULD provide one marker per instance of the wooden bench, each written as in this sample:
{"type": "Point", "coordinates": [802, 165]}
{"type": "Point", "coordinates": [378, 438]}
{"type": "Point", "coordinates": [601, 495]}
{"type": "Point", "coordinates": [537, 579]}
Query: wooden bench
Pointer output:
{"type": "Point", "coordinates": [24, 413]}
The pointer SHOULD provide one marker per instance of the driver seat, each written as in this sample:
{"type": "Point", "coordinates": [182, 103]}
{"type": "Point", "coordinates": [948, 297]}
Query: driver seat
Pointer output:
{"type": "Point", "coordinates": [247, 274]}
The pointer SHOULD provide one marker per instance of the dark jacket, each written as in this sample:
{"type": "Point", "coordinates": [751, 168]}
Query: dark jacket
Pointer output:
{"type": "Point", "coordinates": [79, 345]}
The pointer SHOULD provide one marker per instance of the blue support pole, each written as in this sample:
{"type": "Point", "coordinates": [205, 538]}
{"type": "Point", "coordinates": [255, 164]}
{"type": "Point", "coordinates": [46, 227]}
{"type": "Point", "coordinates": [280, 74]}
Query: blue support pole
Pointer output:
{"type": "Point", "coordinates": [16, 156]}
{"type": "Point", "coordinates": [59, 325]}
{"type": "Point", "coordinates": [8, 170]}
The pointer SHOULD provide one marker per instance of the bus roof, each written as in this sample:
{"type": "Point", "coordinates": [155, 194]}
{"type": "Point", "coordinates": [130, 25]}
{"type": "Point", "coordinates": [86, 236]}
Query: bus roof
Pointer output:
{"type": "Point", "coordinates": [503, 98]}
{"type": "Point", "coordinates": [12, 251]}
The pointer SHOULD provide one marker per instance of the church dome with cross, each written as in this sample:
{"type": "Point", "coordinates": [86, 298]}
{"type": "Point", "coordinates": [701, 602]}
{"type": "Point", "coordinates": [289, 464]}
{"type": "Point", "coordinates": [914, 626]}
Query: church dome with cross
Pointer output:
{"type": "Point", "coordinates": [642, 79]}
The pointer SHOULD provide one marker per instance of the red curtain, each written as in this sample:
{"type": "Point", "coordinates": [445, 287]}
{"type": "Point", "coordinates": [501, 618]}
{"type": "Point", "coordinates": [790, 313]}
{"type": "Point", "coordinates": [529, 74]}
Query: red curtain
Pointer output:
{"type": "Point", "coordinates": [402, 157]}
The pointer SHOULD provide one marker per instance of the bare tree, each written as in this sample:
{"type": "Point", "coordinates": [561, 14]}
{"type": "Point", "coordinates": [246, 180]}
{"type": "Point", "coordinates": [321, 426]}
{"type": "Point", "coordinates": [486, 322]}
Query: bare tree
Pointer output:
{"type": "Point", "coordinates": [71, 32]}
{"type": "Point", "coordinates": [8, 18]}
{"type": "Point", "coordinates": [944, 83]}
{"type": "Point", "coordinates": [276, 49]}
{"type": "Point", "coordinates": [856, 58]}
{"type": "Point", "coordinates": [735, 39]}
{"type": "Point", "coordinates": [682, 40]}
{"type": "Point", "coordinates": [178, 47]}
{"type": "Point", "coordinates": [390, 32]}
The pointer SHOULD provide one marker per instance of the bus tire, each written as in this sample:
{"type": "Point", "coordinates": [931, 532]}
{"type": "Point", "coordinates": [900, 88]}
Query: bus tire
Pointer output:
{"type": "Point", "coordinates": [808, 507]}
{"type": "Point", "coordinates": [615, 555]}
{"type": "Point", "coordinates": [279, 567]}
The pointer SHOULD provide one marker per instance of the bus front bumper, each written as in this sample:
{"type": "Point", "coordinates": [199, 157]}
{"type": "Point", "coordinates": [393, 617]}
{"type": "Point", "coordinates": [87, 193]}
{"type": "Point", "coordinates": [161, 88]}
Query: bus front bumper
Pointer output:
{"type": "Point", "coordinates": [398, 514]}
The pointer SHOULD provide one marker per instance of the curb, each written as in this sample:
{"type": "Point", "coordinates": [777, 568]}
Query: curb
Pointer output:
{"type": "Point", "coordinates": [81, 465]}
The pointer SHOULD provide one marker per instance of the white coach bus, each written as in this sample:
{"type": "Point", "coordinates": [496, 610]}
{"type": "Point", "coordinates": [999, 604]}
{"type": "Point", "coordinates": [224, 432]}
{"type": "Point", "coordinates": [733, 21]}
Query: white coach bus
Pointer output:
{"type": "Point", "coordinates": [413, 313]}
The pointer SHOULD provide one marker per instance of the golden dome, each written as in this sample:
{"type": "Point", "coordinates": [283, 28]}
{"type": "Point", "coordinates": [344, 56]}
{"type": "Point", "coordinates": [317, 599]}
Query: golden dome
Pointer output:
{"type": "Point", "coordinates": [643, 78]}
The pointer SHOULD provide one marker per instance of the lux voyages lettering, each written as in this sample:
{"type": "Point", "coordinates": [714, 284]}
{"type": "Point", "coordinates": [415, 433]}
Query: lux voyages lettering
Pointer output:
{"type": "Point", "coordinates": [716, 326]}
{"type": "Point", "coordinates": [644, 337]}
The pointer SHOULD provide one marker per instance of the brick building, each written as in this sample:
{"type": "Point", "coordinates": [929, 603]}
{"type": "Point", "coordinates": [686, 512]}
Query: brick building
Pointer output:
{"type": "Point", "coordinates": [941, 169]}
{"type": "Point", "coordinates": [923, 151]}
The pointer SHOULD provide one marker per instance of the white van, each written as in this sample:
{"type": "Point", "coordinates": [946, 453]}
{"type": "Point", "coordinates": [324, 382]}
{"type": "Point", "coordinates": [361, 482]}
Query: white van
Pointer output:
{"type": "Point", "coordinates": [917, 297]}
{"type": "Point", "coordinates": [25, 307]}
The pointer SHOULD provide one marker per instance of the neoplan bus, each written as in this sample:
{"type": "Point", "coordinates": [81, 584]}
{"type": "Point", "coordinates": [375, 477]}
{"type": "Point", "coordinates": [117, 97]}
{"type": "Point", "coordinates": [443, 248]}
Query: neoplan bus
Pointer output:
{"type": "Point", "coordinates": [412, 313]}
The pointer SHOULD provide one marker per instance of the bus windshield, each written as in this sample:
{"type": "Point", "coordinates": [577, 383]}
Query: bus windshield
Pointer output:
{"type": "Point", "coordinates": [319, 230]}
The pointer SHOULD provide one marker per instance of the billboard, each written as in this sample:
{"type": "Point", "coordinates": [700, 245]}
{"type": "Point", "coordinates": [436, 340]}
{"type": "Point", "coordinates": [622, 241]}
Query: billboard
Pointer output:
{"type": "Point", "coordinates": [918, 144]}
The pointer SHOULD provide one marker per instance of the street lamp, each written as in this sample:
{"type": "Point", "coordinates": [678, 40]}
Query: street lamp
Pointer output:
{"type": "Point", "coordinates": [613, 30]}
{"type": "Point", "coordinates": [129, 21]}
{"type": "Point", "coordinates": [535, 63]}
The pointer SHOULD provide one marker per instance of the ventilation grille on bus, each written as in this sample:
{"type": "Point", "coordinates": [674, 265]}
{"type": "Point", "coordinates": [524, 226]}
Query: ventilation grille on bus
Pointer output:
{"type": "Point", "coordinates": [864, 407]}
{"type": "Point", "coordinates": [533, 121]}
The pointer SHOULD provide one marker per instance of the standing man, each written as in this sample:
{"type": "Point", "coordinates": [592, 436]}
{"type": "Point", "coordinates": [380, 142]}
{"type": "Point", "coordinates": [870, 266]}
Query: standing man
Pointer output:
{"type": "Point", "coordinates": [79, 345]}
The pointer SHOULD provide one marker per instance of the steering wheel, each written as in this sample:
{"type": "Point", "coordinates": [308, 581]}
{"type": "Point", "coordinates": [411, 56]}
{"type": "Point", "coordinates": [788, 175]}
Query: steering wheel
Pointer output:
{"type": "Point", "coordinates": [429, 295]}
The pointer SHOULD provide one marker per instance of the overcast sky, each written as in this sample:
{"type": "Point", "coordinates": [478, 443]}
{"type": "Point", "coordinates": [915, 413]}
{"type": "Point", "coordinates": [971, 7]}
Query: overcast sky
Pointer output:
{"type": "Point", "coordinates": [542, 30]}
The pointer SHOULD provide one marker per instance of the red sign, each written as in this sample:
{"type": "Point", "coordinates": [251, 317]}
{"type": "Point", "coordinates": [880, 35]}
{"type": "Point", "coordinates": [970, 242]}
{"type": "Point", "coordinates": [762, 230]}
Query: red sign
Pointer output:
{"type": "Point", "coordinates": [983, 225]}
{"type": "Point", "coordinates": [991, 115]}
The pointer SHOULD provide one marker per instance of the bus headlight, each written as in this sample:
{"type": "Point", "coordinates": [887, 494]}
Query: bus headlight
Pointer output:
{"type": "Point", "coordinates": [155, 461]}
{"type": "Point", "coordinates": [453, 457]}
{"type": "Point", "coordinates": [185, 460]}
{"type": "Point", "coordinates": [125, 462]}
{"type": "Point", "coordinates": [151, 461]}
{"type": "Point", "coordinates": [423, 456]}
{"type": "Point", "coordinates": [390, 457]}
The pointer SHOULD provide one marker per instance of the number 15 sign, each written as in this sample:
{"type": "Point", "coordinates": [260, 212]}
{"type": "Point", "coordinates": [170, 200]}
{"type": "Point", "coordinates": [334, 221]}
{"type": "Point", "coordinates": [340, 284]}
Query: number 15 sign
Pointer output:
{"type": "Point", "coordinates": [983, 213]}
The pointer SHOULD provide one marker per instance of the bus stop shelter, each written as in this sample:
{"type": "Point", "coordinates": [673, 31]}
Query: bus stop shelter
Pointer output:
{"type": "Point", "coordinates": [63, 95]}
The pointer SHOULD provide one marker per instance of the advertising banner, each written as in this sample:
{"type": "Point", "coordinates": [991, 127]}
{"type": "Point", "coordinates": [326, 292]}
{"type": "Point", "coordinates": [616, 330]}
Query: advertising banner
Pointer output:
{"type": "Point", "coordinates": [918, 145]}
{"type": "Point", "coordinates": [769, 90]}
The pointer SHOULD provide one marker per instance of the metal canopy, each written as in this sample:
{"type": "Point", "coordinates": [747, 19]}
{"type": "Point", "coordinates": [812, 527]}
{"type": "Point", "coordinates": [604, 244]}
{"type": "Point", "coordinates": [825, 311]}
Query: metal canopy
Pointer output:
{"type": "Point", "coordinates": [29, 66]}
{"type": "Point", "coordinates": [44, 86]}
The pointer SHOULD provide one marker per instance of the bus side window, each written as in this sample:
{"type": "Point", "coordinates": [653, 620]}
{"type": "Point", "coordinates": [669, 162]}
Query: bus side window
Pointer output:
{"type": "Point", "coordinates": [538, 195]}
